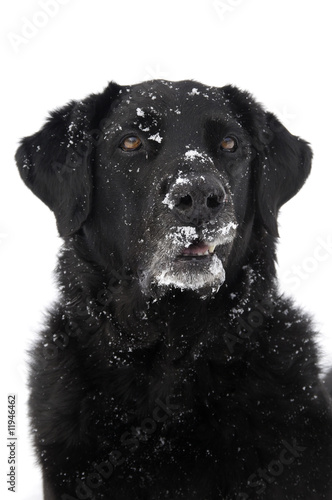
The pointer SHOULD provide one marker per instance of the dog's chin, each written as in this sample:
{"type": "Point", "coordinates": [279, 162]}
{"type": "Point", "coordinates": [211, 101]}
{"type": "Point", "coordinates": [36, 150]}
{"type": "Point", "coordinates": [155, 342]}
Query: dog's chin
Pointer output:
{"type": "Point", "coordinates": [202, 275]}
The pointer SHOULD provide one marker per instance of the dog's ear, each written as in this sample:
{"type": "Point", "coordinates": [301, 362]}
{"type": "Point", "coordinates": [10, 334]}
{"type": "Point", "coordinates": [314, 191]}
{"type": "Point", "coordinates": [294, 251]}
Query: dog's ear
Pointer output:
{"type": "Point", "coordinates": [282, 165]}
{"type": "Point", "coordinates": [56, 162]}
{"type": "Point", "coordinates": [281, 162]}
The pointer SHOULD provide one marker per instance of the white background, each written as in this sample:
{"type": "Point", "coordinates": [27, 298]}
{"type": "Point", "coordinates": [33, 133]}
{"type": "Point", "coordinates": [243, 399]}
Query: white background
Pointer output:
{"type": "Point", "coordinates": [278, 50]}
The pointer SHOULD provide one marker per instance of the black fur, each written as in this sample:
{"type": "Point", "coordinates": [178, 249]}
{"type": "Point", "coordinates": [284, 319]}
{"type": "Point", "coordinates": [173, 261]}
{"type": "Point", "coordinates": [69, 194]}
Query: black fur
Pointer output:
{"type": "Point", "coordinates": [157, 376]}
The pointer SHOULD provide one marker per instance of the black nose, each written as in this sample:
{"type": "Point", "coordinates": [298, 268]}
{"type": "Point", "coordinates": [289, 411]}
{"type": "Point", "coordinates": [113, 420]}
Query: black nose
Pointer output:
{"type": "Point", "coordinates": [196, 199]}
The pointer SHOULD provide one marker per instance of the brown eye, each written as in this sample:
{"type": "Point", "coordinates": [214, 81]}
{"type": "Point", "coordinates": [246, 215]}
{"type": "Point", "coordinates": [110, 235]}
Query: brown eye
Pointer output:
{"type": "Point", "coordinates": [228, 144]}
{"type": "Point", "coordinates": [131, 143]}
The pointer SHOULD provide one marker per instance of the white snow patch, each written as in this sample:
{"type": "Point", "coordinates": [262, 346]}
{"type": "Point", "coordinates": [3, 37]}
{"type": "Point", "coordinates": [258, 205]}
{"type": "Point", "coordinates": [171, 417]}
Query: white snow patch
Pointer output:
{"type": "Point", "coordinates": [140, 112]}
{"type": "Point", "coordinates": [226, 229]}
{"type": "Point", "coordinates": [221, 235]}
{"type": "Point", "coordinates": [213, 276]}
{"type": "Point", "coordinates": [156, 137]}
{"type": "Point", "coordinates": [194, 92]}
{"type": "Point", "coordinates": [182, 236]}
{"type": "Point", "coordinates": [182, 180]}
{"type": "Point", "coordinates": [146, 129]}
{"type": "Point", "coordinates": [192, 154]}
{"type": "Point", "coordinates": [168, 202]}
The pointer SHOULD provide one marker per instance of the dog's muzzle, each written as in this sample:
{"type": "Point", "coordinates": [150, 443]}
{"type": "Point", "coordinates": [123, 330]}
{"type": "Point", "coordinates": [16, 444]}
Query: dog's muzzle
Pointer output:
{"type": "Point", "coordinates": [196, 199]}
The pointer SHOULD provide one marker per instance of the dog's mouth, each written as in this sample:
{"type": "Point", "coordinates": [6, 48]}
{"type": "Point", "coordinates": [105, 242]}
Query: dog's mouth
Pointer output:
{"type": "Point", "coordinates": [197, 250]}
{"type": "Point", "coordinates": [188, 259]}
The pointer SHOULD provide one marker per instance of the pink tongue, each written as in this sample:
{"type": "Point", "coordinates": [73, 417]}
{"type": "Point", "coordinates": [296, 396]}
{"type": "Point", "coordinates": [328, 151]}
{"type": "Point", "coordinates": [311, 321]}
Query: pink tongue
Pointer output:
{"type": "Point", "coordinates": [198, 249]}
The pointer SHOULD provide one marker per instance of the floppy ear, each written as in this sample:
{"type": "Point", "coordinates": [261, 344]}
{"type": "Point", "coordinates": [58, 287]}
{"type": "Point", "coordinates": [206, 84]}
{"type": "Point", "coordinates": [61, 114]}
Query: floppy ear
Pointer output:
{"type": "Point", "coordinates": [55, 163]}
{"type": "Point", "coordinates": [283, 164]}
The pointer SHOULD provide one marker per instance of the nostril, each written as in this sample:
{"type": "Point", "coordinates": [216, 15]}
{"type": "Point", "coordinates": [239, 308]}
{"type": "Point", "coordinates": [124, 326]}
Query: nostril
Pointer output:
{"type": "Point", "coordinates": [213, 201]}
{"type": "Point", "coordinates": [196, 199]}
{"type": "Point", "coordinates": [185, 202]}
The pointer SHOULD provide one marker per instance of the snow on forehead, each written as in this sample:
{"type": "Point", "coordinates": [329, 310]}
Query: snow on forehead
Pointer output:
{"type": "Point", "coordinates": [165, 90]}
{"type": "Point", "coordinates": [162, 97]}
{"type": "Point", "coordinates": [152, 89]}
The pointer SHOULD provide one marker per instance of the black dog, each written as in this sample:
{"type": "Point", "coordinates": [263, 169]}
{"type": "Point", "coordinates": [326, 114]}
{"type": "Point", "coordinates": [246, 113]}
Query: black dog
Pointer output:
{"type": "Point", "coordinates": [171, 367]}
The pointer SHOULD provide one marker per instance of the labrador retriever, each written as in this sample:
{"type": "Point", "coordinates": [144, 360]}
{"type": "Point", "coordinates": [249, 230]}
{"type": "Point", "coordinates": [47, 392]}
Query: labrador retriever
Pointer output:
{"type": "Point", "coordinates": [171, 366]}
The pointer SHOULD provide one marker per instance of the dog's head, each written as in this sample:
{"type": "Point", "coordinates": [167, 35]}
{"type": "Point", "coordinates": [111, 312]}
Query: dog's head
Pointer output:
{"type": "Point", "coordinates": [167, 180]}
